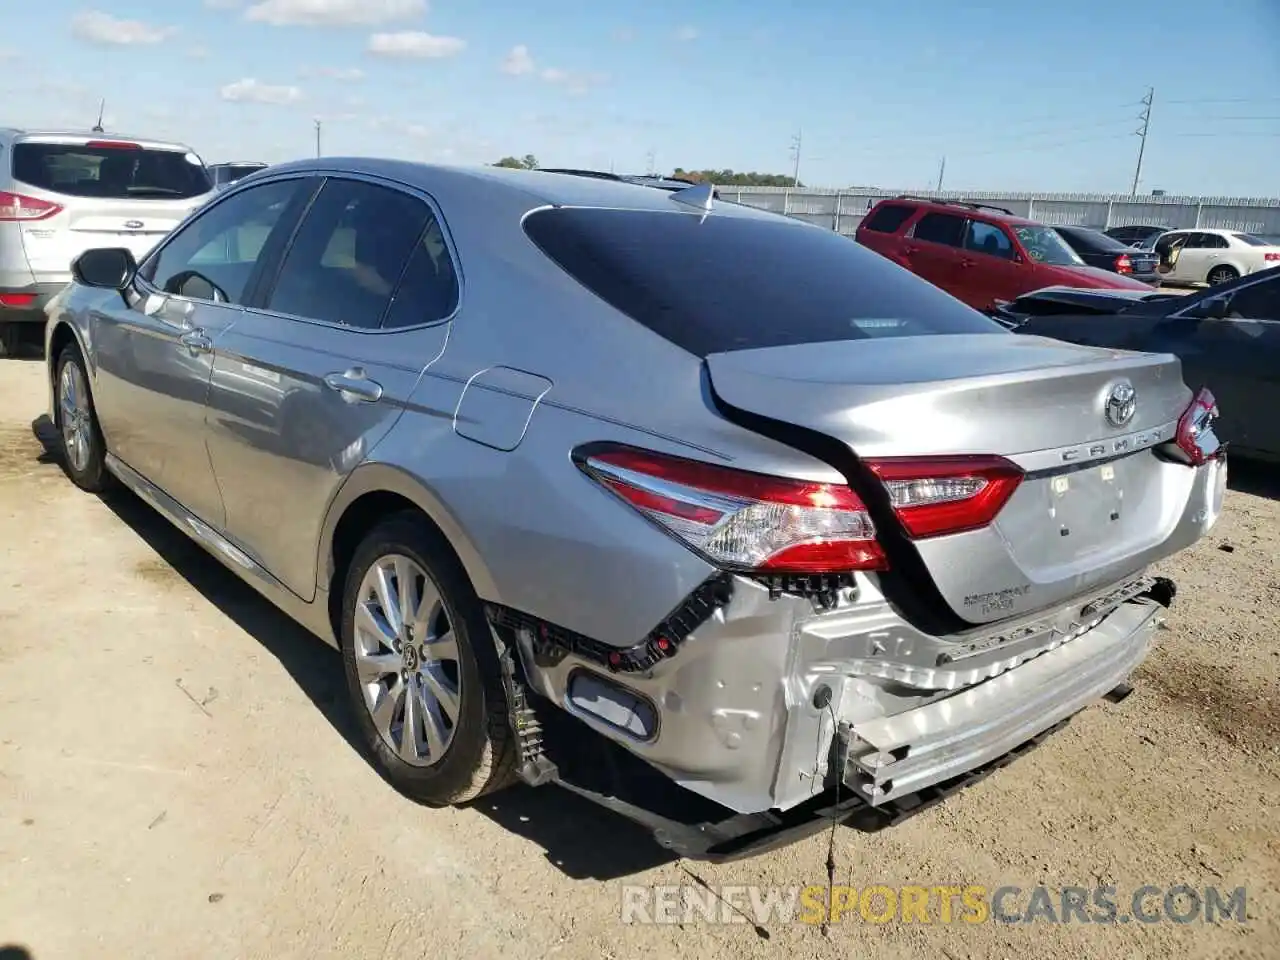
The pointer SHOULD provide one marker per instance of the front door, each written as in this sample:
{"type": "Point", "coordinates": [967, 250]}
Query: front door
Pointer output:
{"type": "Point", "coordinates": [988, 270]}
{"type": "Point", "coordinates": [154, 356]}
{"type": "Point", "coordinates": [322, 366]}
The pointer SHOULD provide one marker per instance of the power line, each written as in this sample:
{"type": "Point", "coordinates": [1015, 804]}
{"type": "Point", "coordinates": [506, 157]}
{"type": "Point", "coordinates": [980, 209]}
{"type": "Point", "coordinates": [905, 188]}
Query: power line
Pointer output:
{"type": "Point", "coordinates": [1228, 100]}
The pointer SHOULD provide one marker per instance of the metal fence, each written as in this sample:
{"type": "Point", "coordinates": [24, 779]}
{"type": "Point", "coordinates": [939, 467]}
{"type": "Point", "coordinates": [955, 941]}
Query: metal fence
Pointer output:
{"type": "Point", "coordinates": [842, 210]}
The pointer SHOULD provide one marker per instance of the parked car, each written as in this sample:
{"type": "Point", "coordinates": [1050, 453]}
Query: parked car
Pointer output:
{"type": "Point", "coordinates": [62, 193]}
{"type": "Point", "coordinates": [677, 490]}
{"type": "Point", "coordinates": [1099, 250]}
{"type": "Point", "coordinates": [1215, 256]}
{"type": "Point", "coordinates": [1227, 337]}
{"type": "Point", "coordinates": [978, 254]}
{"type": "Point", "coordinates": [1136, 233]}
{"type": "Point", "coordinates": [225, 174]}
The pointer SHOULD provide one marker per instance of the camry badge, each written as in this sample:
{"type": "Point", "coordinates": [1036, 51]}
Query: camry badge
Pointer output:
{"type": "Point", "coordinates": [1121, 404]}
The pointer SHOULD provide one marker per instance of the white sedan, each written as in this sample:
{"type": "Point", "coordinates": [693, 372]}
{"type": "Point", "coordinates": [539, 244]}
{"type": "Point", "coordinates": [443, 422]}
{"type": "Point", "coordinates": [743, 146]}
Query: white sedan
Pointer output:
{"type": "Point", "coordinates": [1215, 256]}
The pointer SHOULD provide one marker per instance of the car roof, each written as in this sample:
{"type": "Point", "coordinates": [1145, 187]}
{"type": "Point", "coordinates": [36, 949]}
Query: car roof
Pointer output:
{"type": "Point", "coordinates": [53, 134]}
{"type": "Point", "coordinates": [963, 207]}
{"type": "Point", "coordinates": [537, 187]}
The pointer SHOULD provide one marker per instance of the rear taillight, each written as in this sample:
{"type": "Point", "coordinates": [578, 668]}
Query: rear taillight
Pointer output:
{"type": "Point", "coordinates": [17, 299]}
{"type": "Point", "coordinates": [939, 495]}
{"type": "Point", "coordinates": [1271, 257]}
{"type": "Point", "coordinates": [740, 520]}
{"type": "Point", "coordinates": [1124, 264]}
{"type": "Point", "coordinates": [16, 206]}
{"type": "Point", "coordinates": [1195, 436]}
{"type": "Point", "coordinates": [113, 145]}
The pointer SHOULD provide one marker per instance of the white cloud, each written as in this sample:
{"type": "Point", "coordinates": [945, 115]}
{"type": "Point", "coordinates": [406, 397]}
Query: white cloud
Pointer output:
{"type": "Point", "coordinates": [576, 83]}
{"type": "Point", "coordinates": [7, 54]}
{"type": "Point", "coordinates": [93, 26]}
{"type": "Point", "coordinates": [198, 52]}
{"type": "Point", "coordinates": [687, 34]}
{"type": "Point", "coordinates": [328, 13]}
{"type": "Point", "coordinates": [518, 61]}
{"type": "Point", "coordinates": [414, 44]}
{"type": "Point", "coordinates": [345, 74]}
{"type": "Point", "coordinates": [250, 90]}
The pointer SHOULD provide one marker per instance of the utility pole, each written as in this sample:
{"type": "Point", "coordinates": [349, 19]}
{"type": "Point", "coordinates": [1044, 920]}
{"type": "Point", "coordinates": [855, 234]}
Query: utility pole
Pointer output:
{"type": "Point", "coordinates": [795, 154]}
{"type": "Point", "coordinates": [317, 136]}
{"type": "Point", "coordinates": [1145, 117]}
{"type": "Point", "coordinates": [102, 105]}
{"type": "Point", "coordinates": [650, 162]}
{"type": "Point", "coordinates": [942, 172]}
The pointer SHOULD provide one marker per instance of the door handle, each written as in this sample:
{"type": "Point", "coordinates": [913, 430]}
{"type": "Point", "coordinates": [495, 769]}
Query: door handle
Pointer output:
{"type": "Point", "coordinates": [354, 385]}
{"type": "Point", "coordinates": [197, 341]}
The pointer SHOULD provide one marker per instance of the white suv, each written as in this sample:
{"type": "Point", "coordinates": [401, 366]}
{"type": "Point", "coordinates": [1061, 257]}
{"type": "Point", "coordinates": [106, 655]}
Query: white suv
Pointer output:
{"type": "Point", "coordinates": [62, 193]}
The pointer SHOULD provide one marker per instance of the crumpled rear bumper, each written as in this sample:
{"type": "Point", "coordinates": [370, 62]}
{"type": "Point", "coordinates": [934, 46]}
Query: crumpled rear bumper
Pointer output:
{"type": "Point", "coordinates": [893, 756]}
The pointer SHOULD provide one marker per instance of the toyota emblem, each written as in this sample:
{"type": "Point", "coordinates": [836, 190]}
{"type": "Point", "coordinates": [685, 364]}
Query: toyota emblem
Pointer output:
{"type": "Point", "coordinates": [1121, 403]}
{"type": "Point", "coordinates": [134, 224]}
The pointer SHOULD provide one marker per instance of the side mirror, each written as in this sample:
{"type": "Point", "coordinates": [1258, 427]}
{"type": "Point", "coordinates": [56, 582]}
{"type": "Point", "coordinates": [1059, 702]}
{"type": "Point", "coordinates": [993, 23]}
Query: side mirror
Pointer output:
{"type": "Point", "coordinates": [1214, 308]}
{"type": "Point", "coordinates": [107, 268]}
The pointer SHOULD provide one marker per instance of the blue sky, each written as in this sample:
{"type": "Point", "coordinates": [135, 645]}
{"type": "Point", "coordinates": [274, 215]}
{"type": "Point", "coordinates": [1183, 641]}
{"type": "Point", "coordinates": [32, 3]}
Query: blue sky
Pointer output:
{"type": "Point", "coordinates": [1017, 95]}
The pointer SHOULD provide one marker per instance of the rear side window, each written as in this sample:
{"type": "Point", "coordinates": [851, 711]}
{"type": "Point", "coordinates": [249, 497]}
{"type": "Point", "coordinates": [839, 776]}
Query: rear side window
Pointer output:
{"type": "Point", "coordinates": [349, 254]}
{"type": "Point", "coordinates": [725, 283]}
{"type": "Point", "coordinates": [888, 217]}
{"type": "Point", "coordinates": [110, 173]}
{"type": "Point", "coordinates": [941, 228]}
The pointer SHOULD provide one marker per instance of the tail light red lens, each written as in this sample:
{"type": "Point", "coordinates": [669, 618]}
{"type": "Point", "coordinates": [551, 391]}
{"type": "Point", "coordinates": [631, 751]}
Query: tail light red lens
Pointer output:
{"type": "Point", "coordinates": [740, 520]}
{"type": "Point", "coordinates": [16, 206]}
{"type": "Point", "coordinates": [1124, 264]}
{"type": "Point", "coordinates": [1271, 257]}
{"type": "Point", "coordinates": [1196, 437]}
{"type": "Point", "coordinates": [17, 299]}
{"type": "Point", "coordinates": [940, 495]}
{"type": "Point", "coordinates": [113, 145]}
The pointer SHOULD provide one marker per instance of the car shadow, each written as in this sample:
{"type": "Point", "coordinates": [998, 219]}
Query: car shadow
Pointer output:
{"type": "Point", "coordinates": [581, 839]}
{"type": "Point", "coordinates": [11, 951]}
{"type": "Point", "coordinates": [1256, 477]}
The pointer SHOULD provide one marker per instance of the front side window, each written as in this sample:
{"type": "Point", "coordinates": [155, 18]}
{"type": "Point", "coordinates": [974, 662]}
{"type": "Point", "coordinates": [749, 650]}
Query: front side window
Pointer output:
{"type": "Point", "coordinates": [349, 254]}
{"type": "Point", "coordinates": [1257, 301]}
{"type": "Point", "coordinates": [1045, 245]}
{"type": "Point", "coordinates": [109, 171]}
{"type": "Point", "coordinates": [214, 256]}
{"type": "Point", "coordinates": [989, 239]}
{"type": "Point", "coordinates": [683, 277]}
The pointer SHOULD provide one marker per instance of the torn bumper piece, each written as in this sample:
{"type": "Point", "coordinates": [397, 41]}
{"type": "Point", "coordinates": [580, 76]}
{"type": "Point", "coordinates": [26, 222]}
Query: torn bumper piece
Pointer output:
{"type": "Point", "coordinates": [892, 757]}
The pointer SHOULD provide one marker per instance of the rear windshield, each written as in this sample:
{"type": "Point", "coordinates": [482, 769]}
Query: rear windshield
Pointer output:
{"type": "Point", "coordinates": [724, 283]}
{"type": "Point", "coordinates": [1092, 241]}
{"type": "Point", "coordinates": [113, 173]}
{"type": "Point", "coordinates": [1251, 240]}
{"type": "Point", "coordinates": [231, 172]}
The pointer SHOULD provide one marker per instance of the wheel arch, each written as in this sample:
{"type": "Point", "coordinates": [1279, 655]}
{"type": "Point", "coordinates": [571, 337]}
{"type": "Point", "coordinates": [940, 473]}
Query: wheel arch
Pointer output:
{"type": "Point", "coordinates": [1235, 265]}
{"type": "Point", "coordinates": [374, 491]}
{"type": "Point", "coordinates": [59, 334]}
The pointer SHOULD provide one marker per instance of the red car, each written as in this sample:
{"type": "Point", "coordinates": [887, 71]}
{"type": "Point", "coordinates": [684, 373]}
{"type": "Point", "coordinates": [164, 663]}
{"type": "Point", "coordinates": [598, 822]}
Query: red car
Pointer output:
{"type": "Point", "coordinates": [978, 254]}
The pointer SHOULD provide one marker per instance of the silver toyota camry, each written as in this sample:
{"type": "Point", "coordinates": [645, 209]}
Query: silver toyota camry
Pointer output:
{"type": "Point", "coordinates": [560, 458]}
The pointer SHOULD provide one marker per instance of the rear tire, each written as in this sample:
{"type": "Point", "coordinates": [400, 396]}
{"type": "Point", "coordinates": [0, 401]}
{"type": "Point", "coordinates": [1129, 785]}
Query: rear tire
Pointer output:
{"type": "Point", "coordinates": [1221, 274]}
{"type": "Point", "coordinates": [426, 688]}
{"type": "Point", "coordinates": [83, 449]}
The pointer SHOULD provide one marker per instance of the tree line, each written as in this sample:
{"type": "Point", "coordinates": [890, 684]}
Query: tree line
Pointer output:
{"type": "Point", "coordinates": [725, 178]}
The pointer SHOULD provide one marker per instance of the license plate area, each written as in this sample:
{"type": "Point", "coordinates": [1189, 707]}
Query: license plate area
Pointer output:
{"type": "Point", "coordinates": [1086, 515]}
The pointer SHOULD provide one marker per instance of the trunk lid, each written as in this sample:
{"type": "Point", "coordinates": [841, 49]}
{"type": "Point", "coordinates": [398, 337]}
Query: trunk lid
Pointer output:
{"type": "Point", "coordinates": [1095, 504]}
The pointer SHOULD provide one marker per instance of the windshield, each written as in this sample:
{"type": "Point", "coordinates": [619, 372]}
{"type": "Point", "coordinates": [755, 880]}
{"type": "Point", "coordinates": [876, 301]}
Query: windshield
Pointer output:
{"type": "Point", "coordinates": [1045, 245]}
{"type": "Point", "coordinates": [110, 172]}
{"type": "Point", "coordinates": [1251, 240]}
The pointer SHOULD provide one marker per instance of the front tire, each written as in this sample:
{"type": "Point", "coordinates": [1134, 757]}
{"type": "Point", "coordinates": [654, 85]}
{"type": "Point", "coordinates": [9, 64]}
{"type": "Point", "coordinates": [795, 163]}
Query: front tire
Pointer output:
{"type": "Point", "coordinates": [423, 676]}
{"type": "Point", "coordinates": [1221, 274]}
{"type": "Point", "coordinates": [84, 451]}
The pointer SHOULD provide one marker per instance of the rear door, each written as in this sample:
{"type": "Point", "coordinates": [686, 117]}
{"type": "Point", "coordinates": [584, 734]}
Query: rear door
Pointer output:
{"type": "Point", "coordinates": [318, 371]}
{"type": "Point", "coordinates": [110, 193]}
{"type": "Point", "coordinates": [933, 250]}
{"type": "Point", "coordinates": [988, 271]}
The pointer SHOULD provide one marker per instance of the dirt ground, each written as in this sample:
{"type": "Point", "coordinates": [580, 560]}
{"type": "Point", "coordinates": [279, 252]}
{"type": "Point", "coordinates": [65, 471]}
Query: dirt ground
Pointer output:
{"type": "Point", "coordinates": [177, 779]}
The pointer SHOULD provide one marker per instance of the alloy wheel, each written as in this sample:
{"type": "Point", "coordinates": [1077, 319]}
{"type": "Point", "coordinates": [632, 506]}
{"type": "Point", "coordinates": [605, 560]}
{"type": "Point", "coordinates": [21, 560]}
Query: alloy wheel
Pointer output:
{"type": "Point", "coordinates": [73, 409]}
{"type": "Point", "coordinates": [406, 655]}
